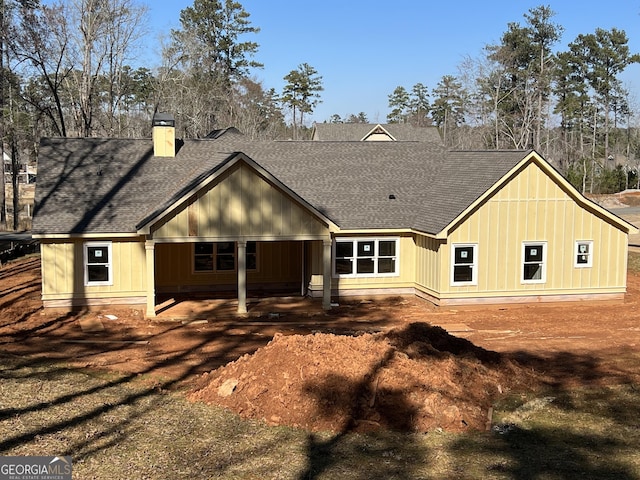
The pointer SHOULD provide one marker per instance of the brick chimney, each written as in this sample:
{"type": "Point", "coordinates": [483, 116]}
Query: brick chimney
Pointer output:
{"type": "Point", "coordinates": [164, 135]}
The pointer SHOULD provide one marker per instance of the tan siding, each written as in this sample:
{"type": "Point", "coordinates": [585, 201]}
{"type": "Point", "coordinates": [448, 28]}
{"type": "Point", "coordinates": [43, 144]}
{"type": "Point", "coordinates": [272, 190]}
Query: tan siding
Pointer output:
{"type": "Point", "coordinates": [57, 268]}
{"type": "Point", "coordinates": [428, 264]}
{"type": "Point", "coordinates": [378, 137]}
{"type": "Point", "coordinates": [407, 276]}
{"type": "Point", "coordinates": [63, 267]}
{"type": "Point", "coordinates": [532, 207]}
{"type": "Point", "coordinates": [278, 262]}
{"type": "Point", "coordinates": [241, 203]}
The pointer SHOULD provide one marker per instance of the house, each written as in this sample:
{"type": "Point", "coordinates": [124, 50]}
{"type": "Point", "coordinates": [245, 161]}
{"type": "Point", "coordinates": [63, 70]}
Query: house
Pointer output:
{"type": "Point", "coordinates": [367, 132]}
{"type": "Point", "coordinates": [26, 173]}
{"type": "Point", "coordinates": [121, 221]}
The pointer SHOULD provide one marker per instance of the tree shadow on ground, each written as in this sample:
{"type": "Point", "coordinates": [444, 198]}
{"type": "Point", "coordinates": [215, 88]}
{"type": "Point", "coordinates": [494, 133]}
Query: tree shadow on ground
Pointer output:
{"type": "Point", "coordinates": [562, 452]}
{"type": "Point", "coordinates": [109, 406]}
{"type": "Point", "coordinates": [393, 409]}
{"type": "Point", "coordinates": [534, 453]}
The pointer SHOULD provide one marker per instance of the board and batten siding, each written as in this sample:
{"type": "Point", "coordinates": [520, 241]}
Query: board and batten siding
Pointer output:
{"type": "Point", "coordinates": [532, 207]}
{"type": "Point", "coordinates": [428, 264]}
{"type": "Point", "coordinates": [240, 203]}
{"type": "Point", "coordinates": [278, 263]}
{"type": "Point", "coordinates": [63, 273]}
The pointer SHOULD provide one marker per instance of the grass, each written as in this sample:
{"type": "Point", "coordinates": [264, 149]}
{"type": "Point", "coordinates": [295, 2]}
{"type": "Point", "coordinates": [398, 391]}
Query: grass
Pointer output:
{"type": "Point", "coordinates": [634, 263]}
{"type": "Point", "coordinates": [118, 427]}
{"type": "Point", "coordinates": [122, 427]}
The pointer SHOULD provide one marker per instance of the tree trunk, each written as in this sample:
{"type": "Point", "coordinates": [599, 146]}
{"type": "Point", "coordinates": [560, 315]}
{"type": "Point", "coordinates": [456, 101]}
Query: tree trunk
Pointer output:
{"type": "Point", "coordinates": [3, 197]}
{"type": "Point", "coordinates": [15, 170]}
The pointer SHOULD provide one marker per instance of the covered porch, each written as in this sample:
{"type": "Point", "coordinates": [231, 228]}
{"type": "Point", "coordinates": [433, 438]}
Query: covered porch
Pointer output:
{"type": "Point", "coordinates": [259, 276]}
{"type": "Point", "coordinates": [197, 307]}
{"type": "Point", "coordinates": [227, 232]}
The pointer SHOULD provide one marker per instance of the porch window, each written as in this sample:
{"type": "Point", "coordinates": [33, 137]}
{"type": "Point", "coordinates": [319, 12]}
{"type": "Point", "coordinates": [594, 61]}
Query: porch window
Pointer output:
{"type": "Point", "coordinates": [464, 264]}
{"type": "Point", "coordinates": [221, 256]}
{"type": "Point", "coordinates": [534, 262]}
{"type": "Point", "coordinates": [252, 256]}
{"type": "Point", "coordinates": [583, 254]}
{"type": "Point", "coordinates": [98, 269]}
{"type": "Point", "coordinates": [365, 257]}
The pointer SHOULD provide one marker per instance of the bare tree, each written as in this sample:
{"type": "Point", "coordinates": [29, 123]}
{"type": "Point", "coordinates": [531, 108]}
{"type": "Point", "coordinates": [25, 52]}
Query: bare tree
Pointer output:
{"type": "Point", "coordinates": [40, 46]}
{"type": "Point", "coordinates": [106, 38]}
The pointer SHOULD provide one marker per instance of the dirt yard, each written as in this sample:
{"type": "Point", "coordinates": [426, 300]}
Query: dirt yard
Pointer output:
{"type": "Point", "coordinates": [397, 363]}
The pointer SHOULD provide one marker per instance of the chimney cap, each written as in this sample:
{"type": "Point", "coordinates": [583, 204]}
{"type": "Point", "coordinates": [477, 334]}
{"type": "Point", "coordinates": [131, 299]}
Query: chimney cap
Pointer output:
{"type": "Point", "coordinates": [163, 120]}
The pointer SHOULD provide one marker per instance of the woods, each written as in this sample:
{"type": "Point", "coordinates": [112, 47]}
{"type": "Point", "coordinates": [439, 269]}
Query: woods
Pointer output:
{"type": "Point", "coordinates": [76, 68]}
{"type": "Point", "coordinates": [569, 105]}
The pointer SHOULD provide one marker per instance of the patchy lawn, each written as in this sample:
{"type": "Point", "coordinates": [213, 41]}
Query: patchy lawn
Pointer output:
{"type": "Point", "coordinates": [115, 399]}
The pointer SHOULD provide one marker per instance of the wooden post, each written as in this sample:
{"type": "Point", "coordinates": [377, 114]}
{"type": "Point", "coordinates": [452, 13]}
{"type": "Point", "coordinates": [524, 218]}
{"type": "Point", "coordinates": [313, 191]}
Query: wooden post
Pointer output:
{"type": "Point", "coordinates": [150, 255]}
{"type": "Point", "coordinates": [242, 277]}
{"type": "Point", "coordinates": [326, 274]}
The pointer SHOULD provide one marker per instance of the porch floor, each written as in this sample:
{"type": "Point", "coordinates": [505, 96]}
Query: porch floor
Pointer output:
{"type": "Point", "coordinates": [194, 308]}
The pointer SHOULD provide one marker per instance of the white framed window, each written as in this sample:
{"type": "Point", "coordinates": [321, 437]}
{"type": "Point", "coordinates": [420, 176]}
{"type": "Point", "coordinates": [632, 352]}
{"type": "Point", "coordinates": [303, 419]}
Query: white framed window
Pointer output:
{"type": "Point", "coordinates": [221, 256]}
{"type": "Point", "coordinates": [464, 264]}
{"type": "Point", "coordinates": [366, 257]}
{"type": "Point", "coordinates": [583, 254]}
{"type": "Point", "coordinates": [98, 268]}
{"type": "Point", "coordinates": [534, 262]}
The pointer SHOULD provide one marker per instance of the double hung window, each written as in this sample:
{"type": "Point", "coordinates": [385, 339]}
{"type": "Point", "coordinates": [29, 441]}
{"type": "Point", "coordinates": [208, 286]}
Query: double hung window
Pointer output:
{"type": "Point", "coordinates": [534, 262]}
{"type": "Point", "coordinates": [98, 269]}
{"type": "Point", "coordinates": [464, 264]}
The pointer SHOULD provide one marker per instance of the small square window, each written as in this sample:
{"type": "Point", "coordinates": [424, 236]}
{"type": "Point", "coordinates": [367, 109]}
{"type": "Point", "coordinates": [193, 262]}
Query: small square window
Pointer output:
{"type": "Point", "coordinates": [366, 249]}
{"type": "Point", "coordinates": [344, 249]}
{"type": "Point", "coordinates": [583, 254]}
{"type": "Point", "coordinates": [366, 265]}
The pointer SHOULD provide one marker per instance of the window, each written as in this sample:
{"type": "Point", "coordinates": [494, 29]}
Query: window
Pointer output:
{"type": "Point", "coordinates": [583, 254]}
{"type": "Point", "coordinates": [464, 267]}
{"type": "Point", "coordinates": [534, 269]}
{"type": "Point", "coordinates": [97, 263]}
{"type": "Point", "coordinates": [252, 256]}
{"type": "Point", "coordinates": [221, 256]}
{"type": "Point", "coordinates": [365, 257]}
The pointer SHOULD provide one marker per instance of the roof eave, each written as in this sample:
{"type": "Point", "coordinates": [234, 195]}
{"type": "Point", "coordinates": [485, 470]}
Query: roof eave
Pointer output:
{"type": "Point", "coordinates": [548, 168]}
{"type": "Point", "coordinates": [144, 227]}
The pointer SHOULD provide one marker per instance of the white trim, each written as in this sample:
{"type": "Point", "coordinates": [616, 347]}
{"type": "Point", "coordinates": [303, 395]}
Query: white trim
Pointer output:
{"type": "Point", "coordinates": [473, 265]}
{"type": "Point", "coordinates": [68, 236]}
{"type": "Point", "coordinates": [108, 263]}
{"type": "Point", "coordinates": [580, 199]}
{"type": "Point", "coordinates": [375, 257]}
{"type": "Point", "coordinates": [588, 254]}
{"type": "Point", "coordinates": [542, 262]}
{"type": "Point", "coordinates": [150, 223]}
{"type": "Point", "coordinates": [373, 132]}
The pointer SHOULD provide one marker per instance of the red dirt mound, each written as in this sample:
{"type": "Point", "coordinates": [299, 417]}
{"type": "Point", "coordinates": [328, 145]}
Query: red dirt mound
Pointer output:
{"type": "Point", "coordinates": [417, 378]}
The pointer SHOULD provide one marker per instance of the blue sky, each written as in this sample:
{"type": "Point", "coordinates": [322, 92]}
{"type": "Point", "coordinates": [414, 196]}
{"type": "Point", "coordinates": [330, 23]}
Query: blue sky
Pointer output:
{"type": "Point", "coordinates": [365, 49]}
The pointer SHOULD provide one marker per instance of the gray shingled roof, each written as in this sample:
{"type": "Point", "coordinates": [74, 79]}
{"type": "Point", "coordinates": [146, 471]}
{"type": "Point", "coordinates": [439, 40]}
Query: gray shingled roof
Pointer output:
{"type": "Point", "coordinates": [355, 132]}
{"type": "Point", "coordinates": [112, 185]}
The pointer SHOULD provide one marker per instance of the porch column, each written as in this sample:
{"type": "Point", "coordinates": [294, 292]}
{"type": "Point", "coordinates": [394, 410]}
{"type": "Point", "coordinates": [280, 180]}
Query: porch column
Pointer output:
{"type": "Point", "coordinates": [242, 276]}
{"type": "Point", "coordinates": [150, 256]}
{"type": "Point", "coordinates": [326, 274]}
